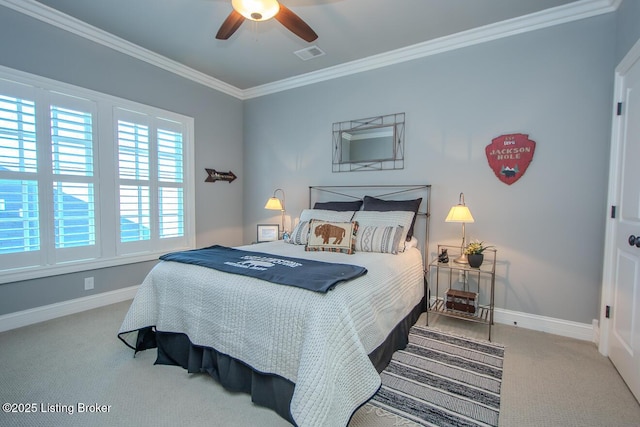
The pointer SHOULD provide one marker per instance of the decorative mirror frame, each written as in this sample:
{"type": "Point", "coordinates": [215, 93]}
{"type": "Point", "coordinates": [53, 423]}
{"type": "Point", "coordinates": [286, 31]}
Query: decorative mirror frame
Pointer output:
{"type": "Point", "coordinates": [395, 162]}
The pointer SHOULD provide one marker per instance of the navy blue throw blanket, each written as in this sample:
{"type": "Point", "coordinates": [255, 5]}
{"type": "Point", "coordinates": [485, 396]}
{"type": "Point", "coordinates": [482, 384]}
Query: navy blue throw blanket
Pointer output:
{"type": "Point", "coordinates": [304, 273]}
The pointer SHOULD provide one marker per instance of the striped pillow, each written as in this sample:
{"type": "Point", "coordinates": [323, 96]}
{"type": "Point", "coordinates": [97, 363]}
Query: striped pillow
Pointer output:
{"type": "Point", "coordinates": [379, 239]}
{"type": "Point", "coordinates": [386, 219]}
{"type": "Point", "coordinates": [300, 234]}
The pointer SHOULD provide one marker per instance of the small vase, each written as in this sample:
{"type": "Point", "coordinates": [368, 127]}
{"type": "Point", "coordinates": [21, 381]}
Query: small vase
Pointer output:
{"type": "Point", "coordinates": [475, 260]}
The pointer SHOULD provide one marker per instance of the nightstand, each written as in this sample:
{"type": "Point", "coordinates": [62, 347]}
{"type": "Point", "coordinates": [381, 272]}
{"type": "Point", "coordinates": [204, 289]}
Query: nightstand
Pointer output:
{"type": "Point", "coordinates": [461, 291]}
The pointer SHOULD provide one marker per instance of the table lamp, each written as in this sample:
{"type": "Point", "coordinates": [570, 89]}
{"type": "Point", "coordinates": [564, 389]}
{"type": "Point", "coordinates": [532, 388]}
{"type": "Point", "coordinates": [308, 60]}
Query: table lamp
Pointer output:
{"type": "Point", "coordinates": [460, 213]}
{"type": "Point", "coordinates": [276, 204]}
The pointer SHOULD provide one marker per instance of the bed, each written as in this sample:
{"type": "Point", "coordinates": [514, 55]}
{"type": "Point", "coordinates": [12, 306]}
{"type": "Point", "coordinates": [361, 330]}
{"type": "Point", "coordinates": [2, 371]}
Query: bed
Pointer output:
{"type": "Point", "coordinates": [313, 357]}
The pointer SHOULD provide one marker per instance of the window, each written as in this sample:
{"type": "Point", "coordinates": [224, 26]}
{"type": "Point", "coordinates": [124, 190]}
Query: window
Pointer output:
{"type": "Point", "coordinates": [75, 195]}
{"type": "Point", "coordinates": [150, 179]}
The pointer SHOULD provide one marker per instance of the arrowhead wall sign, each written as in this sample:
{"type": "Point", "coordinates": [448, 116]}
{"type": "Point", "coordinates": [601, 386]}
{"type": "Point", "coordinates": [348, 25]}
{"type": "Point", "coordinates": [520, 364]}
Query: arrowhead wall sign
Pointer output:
{"type": "Point", "coordinates": [219, 176]}
{"type": "Point", "coordinates": [509, 156]}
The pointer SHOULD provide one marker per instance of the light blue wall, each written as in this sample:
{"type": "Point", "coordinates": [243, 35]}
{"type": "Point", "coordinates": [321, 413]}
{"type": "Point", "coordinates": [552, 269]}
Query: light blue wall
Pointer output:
{"type": "Point", "coordinates": [38, 48]}
{"type": "Point", "coordinates": [554, 84]}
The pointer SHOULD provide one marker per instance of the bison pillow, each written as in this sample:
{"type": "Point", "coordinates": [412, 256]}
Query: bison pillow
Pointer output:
{"type": "Point", "coordinates": [332, 236]}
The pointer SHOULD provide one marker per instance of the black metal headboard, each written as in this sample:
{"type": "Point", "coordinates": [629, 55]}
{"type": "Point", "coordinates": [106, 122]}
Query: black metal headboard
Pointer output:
{"type": "Point", "coordinates": [321, 193]}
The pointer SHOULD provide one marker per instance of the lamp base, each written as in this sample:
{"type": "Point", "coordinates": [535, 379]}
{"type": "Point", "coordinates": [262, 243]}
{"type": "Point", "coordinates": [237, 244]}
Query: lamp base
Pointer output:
{"type": "Point", "coordinates": [462, 259]}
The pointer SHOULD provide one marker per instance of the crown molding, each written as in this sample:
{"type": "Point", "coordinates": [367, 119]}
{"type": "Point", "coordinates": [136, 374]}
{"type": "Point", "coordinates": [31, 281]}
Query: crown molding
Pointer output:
{"type": "Point", "coordinates": [547, 18]}
{"type": "Point", "coordinates": [68, 23]}
{"type": "Point", "coordinates": [570, 12]}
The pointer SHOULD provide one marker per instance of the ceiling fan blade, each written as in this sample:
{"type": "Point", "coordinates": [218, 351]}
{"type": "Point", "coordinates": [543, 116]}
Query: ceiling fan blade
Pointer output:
{"type": "Point", "coordinates": [295, 24]}
{"type": "Point", "coordinates": [230, 25]}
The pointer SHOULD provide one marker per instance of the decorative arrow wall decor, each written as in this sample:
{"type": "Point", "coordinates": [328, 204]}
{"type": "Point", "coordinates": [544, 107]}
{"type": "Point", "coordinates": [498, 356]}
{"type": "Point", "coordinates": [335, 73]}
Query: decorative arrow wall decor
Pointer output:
{"type": "Point", "coordinates": [219, 176]}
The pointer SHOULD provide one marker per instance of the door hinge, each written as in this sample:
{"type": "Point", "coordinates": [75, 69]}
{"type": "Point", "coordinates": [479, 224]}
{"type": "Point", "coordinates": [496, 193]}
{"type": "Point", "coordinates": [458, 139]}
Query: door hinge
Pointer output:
{"type": "Point", "coordinates": [619, 110]}
{"type": "Point", "coordinates": [607, 311]}
{"type": "Point", "coordinates": [613, 211]}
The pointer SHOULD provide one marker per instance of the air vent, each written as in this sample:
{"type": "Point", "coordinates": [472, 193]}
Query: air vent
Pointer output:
{"type": "Point", "coordinates": [309, 53]}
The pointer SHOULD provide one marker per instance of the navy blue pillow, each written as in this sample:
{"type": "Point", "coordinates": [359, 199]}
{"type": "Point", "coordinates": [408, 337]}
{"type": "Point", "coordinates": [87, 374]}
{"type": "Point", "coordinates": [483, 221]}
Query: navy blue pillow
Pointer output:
{"type": "Point", "coordinates": [339, 206]}
{"type": "Point", "coordinates": [373, 204]}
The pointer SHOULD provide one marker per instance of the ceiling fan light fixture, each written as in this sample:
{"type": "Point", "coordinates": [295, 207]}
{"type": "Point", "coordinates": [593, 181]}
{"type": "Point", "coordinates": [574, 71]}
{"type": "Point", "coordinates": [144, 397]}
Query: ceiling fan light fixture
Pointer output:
{"type": "Point", "coordinates": [256, 10]}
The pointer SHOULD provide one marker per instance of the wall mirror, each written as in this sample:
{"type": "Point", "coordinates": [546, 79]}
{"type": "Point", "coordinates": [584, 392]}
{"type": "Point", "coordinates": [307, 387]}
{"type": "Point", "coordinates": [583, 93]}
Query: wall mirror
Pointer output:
{"type": "Point", "coordinates": [374, 143]}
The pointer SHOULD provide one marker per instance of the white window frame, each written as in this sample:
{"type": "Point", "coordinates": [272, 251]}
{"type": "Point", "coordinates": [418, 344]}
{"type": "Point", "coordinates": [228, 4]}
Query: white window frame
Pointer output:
{"type": "Point", "coordinates": [108, 251]}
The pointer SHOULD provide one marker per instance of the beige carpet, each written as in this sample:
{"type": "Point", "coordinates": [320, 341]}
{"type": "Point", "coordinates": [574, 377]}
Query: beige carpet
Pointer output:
{"type": "Point", "coordinates": [56, 365]}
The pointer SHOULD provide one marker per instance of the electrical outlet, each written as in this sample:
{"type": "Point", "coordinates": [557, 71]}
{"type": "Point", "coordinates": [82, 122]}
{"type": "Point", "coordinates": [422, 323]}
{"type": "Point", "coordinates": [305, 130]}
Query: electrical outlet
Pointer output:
{"type": "Point", "coordinates": [88, 283]}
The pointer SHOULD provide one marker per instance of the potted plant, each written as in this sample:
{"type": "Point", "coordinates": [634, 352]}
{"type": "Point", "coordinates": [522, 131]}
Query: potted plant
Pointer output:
{"type": "Point", "coordinates": [474, 252]}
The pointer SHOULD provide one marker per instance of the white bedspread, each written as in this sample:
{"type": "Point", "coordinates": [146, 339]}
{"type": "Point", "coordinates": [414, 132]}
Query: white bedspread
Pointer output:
{"type": "Point", "coordinates": [318, 341]}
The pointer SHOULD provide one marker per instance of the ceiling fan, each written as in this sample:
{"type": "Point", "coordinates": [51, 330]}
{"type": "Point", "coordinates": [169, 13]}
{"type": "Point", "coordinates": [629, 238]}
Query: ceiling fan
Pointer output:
{"type": "Point", "coordinates": [262, 10]}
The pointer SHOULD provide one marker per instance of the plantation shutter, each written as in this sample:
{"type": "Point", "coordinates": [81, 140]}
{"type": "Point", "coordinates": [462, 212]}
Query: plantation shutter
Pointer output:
{"type": "Point", "coordinates": [151, 182]}
{"type": "Point", "coordinates": [72, 183]}
{"type": "Point", "coordinates": [170, 183]}
{"type": "Point", "coordinates": [73, 195]}
{"type": "Point", "coordinates": [19, 203]}
{"type": "Point", "coordinates": [133, 167]}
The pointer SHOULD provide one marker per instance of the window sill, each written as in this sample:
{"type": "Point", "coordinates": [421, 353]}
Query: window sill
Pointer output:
{"type": "Point", "coordinates": [29, 273]}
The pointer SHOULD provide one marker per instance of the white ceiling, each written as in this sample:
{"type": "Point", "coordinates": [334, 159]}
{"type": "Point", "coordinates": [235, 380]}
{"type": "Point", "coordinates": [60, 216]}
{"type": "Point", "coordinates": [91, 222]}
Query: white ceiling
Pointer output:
{"type": "Point", "coordinates": [259, 57]}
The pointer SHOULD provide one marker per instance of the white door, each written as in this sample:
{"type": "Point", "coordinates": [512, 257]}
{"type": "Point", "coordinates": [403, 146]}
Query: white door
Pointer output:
{"type": "Point", "coordinates": [621, 286]}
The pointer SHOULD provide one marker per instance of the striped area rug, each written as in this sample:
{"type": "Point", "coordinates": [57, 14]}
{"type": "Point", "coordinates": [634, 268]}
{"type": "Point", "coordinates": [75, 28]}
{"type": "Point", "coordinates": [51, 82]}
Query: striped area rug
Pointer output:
{"type": "Point", "coordinates": [443, 380]}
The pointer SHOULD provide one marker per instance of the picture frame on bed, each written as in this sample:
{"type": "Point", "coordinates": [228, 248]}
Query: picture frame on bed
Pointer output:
{"type": "Point", "coordinates": [268, 232]}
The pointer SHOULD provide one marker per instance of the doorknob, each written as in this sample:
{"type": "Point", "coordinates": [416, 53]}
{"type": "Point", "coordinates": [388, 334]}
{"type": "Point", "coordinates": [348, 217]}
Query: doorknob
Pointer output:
{"type": "Point", "coordinates": [632, 240]}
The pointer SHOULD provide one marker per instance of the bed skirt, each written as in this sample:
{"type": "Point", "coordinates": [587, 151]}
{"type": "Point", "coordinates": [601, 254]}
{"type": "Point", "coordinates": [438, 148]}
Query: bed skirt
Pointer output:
{"type": "Point", "coordinates": [268, 390]}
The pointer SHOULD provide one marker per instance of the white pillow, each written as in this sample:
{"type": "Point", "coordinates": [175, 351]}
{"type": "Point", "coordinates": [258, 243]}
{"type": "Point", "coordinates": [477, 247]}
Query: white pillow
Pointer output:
{"type": "Point", "coordinates": [386, 219]}
{"type": "Point", "coordinates": [412, 243]}
{"type": "Point", "coordinates": [325, 215]}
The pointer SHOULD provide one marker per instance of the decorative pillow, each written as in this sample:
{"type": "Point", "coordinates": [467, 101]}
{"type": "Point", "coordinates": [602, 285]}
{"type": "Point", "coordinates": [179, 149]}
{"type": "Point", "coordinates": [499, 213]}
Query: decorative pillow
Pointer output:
{"type": "Point", "coordinates": [386, 219]}
{"type": "Point", "coordinates": [339, 206]}
{"type": "Point", "coordinates": [300, 234]}
{"type": "Point", "coordinates": [379, 239]}
{"type": "Point", "coordinates": [326, 215]}
{"type": "Point", "coordinates": [332, 236]}
{"type": "Point", "coordinates": [373, 204]}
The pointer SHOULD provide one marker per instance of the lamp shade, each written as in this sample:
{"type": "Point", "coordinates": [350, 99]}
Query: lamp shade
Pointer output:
{"type": "Point", "coordinates": [459, 213]}
{"type": "Point", "coordinates": [274, 204]}
{"type": "Point", "coordinates": [256, 10]}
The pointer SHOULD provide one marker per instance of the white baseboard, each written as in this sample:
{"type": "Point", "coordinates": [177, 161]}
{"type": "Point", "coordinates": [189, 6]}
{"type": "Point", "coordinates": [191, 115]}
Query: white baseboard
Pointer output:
{"type": "Point", "coordinates": [565, 328]}
{"type": "Point", "coordinates": [52, 311]}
